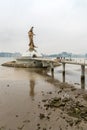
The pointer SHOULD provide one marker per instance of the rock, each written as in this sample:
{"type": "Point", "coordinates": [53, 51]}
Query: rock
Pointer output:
{"type": "Point", "coordinates": [77, 110]}
{"type": "Point", "coordinates": [63, 117]}
{"type": "Point", "coordinates": [50, 127]}
{"type": "Point", "coordinates": [39, 127]}
{"type": "Point", "coordinates": [7, 85]}
{"type": "Point", "coordinates": [46, 108]}
{"type": "Point", "coordinates": [44, 129]}
{"type": "Point", "coordinates": [38, 124]}
{"type": "Point", "coordinates": [50, 92]}
{"type": "Point", "coordinates": [26, 121]}
{"type": "Point", "coordinates": [77, 121]}
{"type": "Point", "coordinates": [65, 99]}
{"type": "Point", "coordinates": [85, 118]}
{"type": "Point", "coordinates": [59, 104]}
{"type": "Point", "coordinates": [42, 116]}
{"type": "Point", "coordinates": [85, 97]}
{"type": "Point", "coordinates": [49, 113]}
{"type": "Point", "coordinates": [76, 96]}
{"type": "Point", "coordinates": [48, 117]}
{"type": "Point", "coordinates": [17, 116]}
{"type": "Point", "coordinates": [2, 128]}
{"type": "Point", "coordinates": [44, 100]}
{"type": "Point", "coordinates": [46, 105]}
{"type": "Point", "coordinates": [57, 99]}
{"type": "Point", "coordinates": [70, 121]}
{"type": "Point", "coordinates": [73, 89]}
{"type": "Point", "coordinates": [20, 128]}
{"type": "Point", "coordinates": [59, 91]}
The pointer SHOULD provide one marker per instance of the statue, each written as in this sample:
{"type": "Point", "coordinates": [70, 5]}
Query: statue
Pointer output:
{"type": "Point", "coordinates": [31, 44]}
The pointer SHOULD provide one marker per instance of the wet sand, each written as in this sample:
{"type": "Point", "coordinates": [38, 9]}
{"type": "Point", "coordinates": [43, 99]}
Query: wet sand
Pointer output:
{"type": "Point", "coordinates": [26, 97]}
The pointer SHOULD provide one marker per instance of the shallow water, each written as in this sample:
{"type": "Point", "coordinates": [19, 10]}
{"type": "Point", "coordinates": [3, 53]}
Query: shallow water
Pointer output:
{"type": "Point", "coordinates": [34, 78]}
{"type": "Point", "coordinates": [73, 73]}
{"type": "Point", "coordinates": [21, 89]}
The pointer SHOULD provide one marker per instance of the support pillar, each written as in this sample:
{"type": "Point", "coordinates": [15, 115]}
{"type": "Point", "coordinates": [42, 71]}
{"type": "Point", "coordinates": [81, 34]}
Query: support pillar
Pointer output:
{"type": "Point", "coordinates": [63, 73]}
{"type": "Point", "coordinates": [83, 76]}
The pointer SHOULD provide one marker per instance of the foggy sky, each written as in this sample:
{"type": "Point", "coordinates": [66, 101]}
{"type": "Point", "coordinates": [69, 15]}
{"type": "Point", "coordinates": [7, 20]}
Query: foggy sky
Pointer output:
{"type": "Point", "coordinates": [59, 25]}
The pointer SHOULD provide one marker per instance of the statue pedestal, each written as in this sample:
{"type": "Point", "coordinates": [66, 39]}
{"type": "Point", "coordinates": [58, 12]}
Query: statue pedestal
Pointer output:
{"type": "Point", "coordinates": [32, 54]}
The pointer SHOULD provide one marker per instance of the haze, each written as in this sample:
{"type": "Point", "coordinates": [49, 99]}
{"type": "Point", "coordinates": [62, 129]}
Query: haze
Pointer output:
{"type": "Point", "coordinates": [59, 25]}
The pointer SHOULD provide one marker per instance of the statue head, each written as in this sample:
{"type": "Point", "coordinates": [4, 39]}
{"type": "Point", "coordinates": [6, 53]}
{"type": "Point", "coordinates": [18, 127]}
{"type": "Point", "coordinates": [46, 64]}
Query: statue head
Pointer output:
{"type": "Point", "coordinates": [31, 29]}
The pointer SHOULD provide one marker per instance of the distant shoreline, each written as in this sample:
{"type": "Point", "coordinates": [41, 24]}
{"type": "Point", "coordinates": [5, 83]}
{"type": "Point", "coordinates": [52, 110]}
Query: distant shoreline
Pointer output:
{"type": "Point", "coordinates": [8, 54]}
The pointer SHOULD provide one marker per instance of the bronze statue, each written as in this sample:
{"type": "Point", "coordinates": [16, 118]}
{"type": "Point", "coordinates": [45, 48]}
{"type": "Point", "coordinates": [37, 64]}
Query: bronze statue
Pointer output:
{"type": "Point", "coordinates": [31, 44]}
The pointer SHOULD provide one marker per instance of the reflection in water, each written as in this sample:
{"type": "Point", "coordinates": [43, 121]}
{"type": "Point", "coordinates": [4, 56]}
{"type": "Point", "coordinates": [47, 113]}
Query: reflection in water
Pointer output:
{"type": "Point", "coordinates": [32, 80]}
{"type": "Point", "coordinates": [63, 76]}
{"type": "Point", "coordinates": [42, 72]}
{"type": "Point", "coordinates": [32, 85]}
{"type": "Point", "coordinates": [52, 73]}
{"type": "Point", "coordinates": [82, 82]}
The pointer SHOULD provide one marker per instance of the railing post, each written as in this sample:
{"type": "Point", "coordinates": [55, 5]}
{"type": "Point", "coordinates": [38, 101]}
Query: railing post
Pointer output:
{"type": "Point", "coordinates": [82, 76]}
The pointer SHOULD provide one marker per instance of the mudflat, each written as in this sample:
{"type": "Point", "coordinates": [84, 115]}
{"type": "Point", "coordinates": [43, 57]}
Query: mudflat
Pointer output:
{"type": "Point", "coordinates": [39, 102]}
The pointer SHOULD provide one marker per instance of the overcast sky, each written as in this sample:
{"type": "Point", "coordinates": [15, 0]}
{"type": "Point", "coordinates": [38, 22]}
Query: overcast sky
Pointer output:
{"type": "Point", "coordinates": [59, 25]}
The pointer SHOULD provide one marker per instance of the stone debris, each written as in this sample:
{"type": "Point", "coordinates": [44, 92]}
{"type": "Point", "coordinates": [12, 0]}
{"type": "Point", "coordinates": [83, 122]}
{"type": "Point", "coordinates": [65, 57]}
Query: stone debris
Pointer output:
{"type": "Point", "coordinates": [71, 107]}
{"type": "Point", "coordinates": [42, 116]}
{"type": "Point", "coordinates": [20, 128]}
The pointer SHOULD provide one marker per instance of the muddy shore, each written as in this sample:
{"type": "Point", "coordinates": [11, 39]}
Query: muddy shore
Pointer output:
{"type": "Point", "coordinates": [41, 103]}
